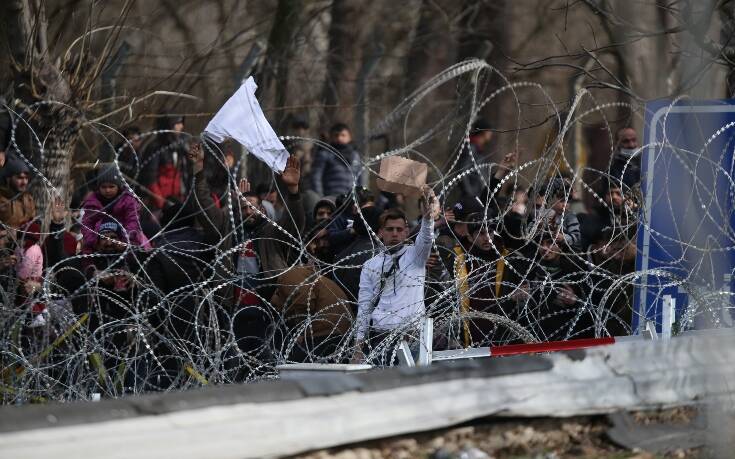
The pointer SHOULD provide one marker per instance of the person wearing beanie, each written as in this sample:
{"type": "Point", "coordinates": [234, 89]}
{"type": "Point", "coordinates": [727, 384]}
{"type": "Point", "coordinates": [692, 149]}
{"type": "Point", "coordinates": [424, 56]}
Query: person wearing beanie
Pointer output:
{"type": "Point", "coordinates": [323, 210]}
{"type": "Point", "coordinates": [109, 181]}
{"type": "Point", "coordinates": [17, 206]}
{"type": "Point", "coordinates": [110, 229]}
{"type": "Point", "coordinates": [109, 281]}
{"type": "Point", "coordinates": [111, 202]}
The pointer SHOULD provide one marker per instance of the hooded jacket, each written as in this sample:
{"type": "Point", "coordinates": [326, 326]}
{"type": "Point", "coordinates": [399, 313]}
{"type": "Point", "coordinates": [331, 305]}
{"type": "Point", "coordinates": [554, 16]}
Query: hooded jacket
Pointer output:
{"type": "Point", "coordinates": [305, 297]}
{"type": "Point", "coordinates": [16, 208]}
{"type": "Point", "coordinates": [123, 209]}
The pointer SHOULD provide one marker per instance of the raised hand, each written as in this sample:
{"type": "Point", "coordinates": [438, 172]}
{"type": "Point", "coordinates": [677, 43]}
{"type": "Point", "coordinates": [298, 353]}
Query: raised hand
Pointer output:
{"type": "Point", "coordinates": [566, 295]}
{"type": "Point", "coordinates": [431, 209]}
{"type": "Point", "coordinates": [433, 260]}
{"type": "Point", "coordinates": [58, 211]}
{"type": "Point", "coordinates": [292, 174]}
{"type": "Point", "coordinates": [196, 156]}
{"type": "Point", "coordinates": [510, 162]}
{"type": "Point", "coordinates": [244, 186]}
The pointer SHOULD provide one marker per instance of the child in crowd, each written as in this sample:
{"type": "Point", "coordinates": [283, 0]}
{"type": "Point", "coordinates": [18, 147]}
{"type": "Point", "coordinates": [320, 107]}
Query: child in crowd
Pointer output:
{"type": "Point", "coordinates": [110, 201]}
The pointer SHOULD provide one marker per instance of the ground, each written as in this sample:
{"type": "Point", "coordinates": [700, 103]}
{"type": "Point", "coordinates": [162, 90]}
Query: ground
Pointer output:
{"type": "Point", "coordinates": [580, 437]}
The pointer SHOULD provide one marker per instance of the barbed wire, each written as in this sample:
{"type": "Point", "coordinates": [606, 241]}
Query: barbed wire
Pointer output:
{"type": "Point", "coordinates": [252, 292]}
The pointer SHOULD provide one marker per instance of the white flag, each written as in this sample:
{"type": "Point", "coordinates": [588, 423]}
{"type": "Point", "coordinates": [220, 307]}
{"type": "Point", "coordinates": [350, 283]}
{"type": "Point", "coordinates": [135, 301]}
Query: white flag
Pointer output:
{"type": "Point", "coordinates": [242, 119]}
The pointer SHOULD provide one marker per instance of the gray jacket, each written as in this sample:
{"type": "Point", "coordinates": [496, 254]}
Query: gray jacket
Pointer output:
{"type": "Point", "coordinates": [336, 170]}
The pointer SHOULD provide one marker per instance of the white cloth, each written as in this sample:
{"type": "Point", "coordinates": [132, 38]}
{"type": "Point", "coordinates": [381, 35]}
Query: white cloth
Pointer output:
{"type": "Point", "coordinates": [242, 119]}
{"type": "Point", "coordinates": [401, 302]}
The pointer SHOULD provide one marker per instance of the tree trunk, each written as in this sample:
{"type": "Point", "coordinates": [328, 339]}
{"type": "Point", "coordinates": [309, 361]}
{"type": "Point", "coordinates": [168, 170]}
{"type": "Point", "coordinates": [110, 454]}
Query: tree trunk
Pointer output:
{"type": "Point", "coordinates": [347, 35]}
{"type": "Point", "coordinates": [484, 36]}
{"type": "Point", "coordinates": [41, 87]}
{"type": "Point", "coordinates": [273, 76]}
{"type": "Point", "coordinates": [56, 162]}
{"type": "Point", "coordinates": [644, 58]}
{"type": "Point", "coordinates": [433, 47]}
{"type": "Point", "coordinates": [727, 40]}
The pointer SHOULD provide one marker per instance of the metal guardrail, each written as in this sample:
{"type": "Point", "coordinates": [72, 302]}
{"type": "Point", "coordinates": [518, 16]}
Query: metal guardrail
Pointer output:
{"type": "Point", "coordinates": [288, 416]}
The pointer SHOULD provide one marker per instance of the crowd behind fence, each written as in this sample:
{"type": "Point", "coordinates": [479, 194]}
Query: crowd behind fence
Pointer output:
{"type": "Point", "coordinates": [167, 270]}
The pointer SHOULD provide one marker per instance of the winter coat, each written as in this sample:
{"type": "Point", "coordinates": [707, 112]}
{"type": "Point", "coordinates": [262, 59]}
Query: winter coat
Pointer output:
{"type": "Point", "coordinates": [30, 263]}
{"type": "Point", "coordinates": [304, 297]}
{"type": "Point", "coordinates": [625, 170]}
{"type": "Point", "coordinates": [334, 173]}
{"type": "Point", "coordinates": [16, 209]}
{"type": "Point", "coordinates": [124, 209]}
{"type": "Point", "coordinates": [67, 275]}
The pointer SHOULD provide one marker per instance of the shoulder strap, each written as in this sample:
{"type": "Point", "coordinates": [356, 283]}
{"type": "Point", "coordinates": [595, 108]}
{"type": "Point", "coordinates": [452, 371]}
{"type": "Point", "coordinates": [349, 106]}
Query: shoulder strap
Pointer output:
{"type": "Point", "coordinates": [395, 264]}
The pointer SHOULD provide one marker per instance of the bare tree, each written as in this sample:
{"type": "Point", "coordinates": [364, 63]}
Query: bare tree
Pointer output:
{"type": "Point", "coordinates": [53, 90]}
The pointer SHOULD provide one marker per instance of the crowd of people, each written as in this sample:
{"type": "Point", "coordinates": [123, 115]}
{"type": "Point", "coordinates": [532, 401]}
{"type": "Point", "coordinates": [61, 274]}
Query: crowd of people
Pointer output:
{"type": "Point", "coordinates": [167, 266]}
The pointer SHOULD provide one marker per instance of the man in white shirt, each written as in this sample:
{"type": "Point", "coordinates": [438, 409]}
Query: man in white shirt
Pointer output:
{"type": "Point", "coordinates": [391, 295]}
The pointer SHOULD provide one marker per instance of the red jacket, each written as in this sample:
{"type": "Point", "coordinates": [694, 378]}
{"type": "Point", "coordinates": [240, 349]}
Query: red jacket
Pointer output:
{"type": "Point", "coordinates": [168, 184]}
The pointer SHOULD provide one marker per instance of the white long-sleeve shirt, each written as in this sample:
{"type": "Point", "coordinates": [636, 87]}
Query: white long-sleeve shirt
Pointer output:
{"type": "Point", "coordinates": [402, 299]}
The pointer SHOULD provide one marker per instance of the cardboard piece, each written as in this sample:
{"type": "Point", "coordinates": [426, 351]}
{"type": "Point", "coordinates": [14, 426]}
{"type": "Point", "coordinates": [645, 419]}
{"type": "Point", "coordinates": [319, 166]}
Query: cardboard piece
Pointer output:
{"type": "Point", "coordinates": [402, 175]}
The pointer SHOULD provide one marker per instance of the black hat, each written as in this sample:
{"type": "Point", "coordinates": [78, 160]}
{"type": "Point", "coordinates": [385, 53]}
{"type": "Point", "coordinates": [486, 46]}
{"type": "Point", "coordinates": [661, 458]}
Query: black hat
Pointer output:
{"type": "Point", "coordinates": [467, 206]}
{"type": "Point", "coordinates": [165, 122]}
{"type": "Point", "coordinates": [298, 122]}
{"type": "Point", "coordinates": [16, 166]}
{"type": "Point", "coordinates": [481, 125]}
{"type": "Point", "coordinates": [108, 174]}
{"type": "Point", "coordinates": [479, 219]}
{"type": "Point", "coordinates": [372, 217]}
